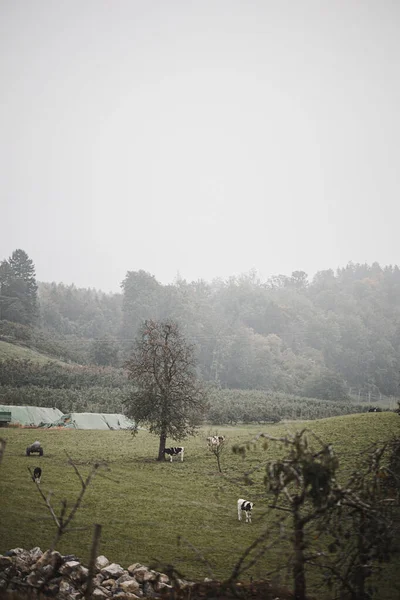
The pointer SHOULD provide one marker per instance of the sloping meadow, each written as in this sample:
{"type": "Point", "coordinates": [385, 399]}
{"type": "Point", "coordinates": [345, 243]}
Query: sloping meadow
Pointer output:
{"type": "Point", "coordinates": [182, 514]}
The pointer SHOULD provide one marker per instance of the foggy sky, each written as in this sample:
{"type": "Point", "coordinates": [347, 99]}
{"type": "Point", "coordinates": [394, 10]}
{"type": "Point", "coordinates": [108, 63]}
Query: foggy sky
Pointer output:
{"type": "Point", "coordinates": [202, 137]}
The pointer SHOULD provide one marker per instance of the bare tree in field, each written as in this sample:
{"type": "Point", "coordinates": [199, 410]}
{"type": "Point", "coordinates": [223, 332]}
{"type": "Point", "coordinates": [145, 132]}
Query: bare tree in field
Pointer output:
{"type": "Point", "coordinates": [167, 396]}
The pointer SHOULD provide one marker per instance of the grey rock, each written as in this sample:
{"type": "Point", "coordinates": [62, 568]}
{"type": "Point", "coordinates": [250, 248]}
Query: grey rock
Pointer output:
{"type": "Point", "coordinates": [80, 574]}
{"type": "Point", "coordinates": [143, 574]}
{"type": "Point", "coordinates": [124, 577]}
{"type": "Point", "coordinates": [98, 579]}
{"type": "Point", "coordinates": [69, 566]}
{"type": "Point", "coordinates": [110, 583]}
{"type": "Point", "coordinates": [35, 553]}
{"type": "Point", "coordinates": [66, 587]}
{"type": "Point", "coordinates": [130, 585]}
{"type": "Point", "coordinates": [101, 562]}
{"type": "Point", "coordinates": [113, 570]}
{"type": "Point", "coordinates": [135, 566]}
{"type": "Point", "coordinates": [100, 593]}
{"type": "Point", "coordinates": [5, 561]}
{"type": "Point", "coordinates": [23, 562]}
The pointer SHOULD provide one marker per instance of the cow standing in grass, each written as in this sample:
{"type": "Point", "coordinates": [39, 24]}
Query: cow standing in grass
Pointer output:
{"type": "Point", "coordinates": [246, 507]}
{"type": "Point", "coordinates": [174, 451]}
{"type": "Point", "coordinates": [37, 474]}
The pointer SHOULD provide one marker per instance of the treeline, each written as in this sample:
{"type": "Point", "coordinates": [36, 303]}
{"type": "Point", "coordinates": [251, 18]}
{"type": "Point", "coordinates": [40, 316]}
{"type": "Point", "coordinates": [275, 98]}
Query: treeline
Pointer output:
{"type": "Point", "coordinates": [335, 335]}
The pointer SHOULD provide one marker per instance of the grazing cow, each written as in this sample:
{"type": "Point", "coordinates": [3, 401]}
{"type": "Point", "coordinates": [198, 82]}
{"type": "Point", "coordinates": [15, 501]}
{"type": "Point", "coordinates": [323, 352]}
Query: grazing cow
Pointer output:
{"type": "Point", "coordinates": [215, 440]}
{"type": "Point", "coordinates": [374, 409]}
{"type": "Point", "coordinates": [246, 506]}
{"type": "Point", "coordinates": [37, 473]}
{"type": "Point", "coordinates": [35, 447]}
{"type": "Point", "coordinates": [174, 451]}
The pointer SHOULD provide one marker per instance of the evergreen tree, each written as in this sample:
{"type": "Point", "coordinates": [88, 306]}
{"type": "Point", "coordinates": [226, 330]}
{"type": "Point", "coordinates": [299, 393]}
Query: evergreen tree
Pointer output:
{"type": "Point", "coordinates": [18, 289]}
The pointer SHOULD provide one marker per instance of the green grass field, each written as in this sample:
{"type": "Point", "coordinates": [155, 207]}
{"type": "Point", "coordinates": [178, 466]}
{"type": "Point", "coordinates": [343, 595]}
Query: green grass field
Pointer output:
{"type": "Point", "coordinates": [144, 506]}
{"type": "Point", "coordinates": [8, 350]}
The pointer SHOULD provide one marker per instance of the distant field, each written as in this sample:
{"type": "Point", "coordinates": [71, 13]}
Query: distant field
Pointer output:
{"type": "Point", "coordinates": [8, 350]}
{"type": "Point", "coordinates": [144, 505]}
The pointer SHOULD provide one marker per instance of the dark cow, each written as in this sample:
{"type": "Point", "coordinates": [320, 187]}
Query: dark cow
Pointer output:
{"type": "Point", "coordinates": [374, 409]}
{"type": "Point", "coordinates": [37, 473]}
{"type": "Point", "coordinates": [244, 506]}
{"type": "Point", "coordinates": [35, 447]}
{"type": "Point", "coordinates": [174, 451]}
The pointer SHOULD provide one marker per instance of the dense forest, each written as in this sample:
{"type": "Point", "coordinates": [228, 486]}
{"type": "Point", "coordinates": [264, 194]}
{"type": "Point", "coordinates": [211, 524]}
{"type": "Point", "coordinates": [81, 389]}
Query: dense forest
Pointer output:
{"type": "Point", "coordinates": [333, 337]}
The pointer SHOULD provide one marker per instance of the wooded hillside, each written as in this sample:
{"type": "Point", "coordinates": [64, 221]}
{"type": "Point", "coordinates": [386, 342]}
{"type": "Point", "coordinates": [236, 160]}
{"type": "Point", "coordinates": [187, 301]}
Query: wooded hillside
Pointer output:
{"type": "Point", "coordinates": [335, 336]}
{"type": "Point", "coordinates": [328, 337]}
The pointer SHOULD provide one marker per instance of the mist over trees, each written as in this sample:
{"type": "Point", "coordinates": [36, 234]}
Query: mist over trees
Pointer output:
{"type": "Point", "coordinates": [333, 336]}
{"type": "Point", "coordinates": [336, 334]}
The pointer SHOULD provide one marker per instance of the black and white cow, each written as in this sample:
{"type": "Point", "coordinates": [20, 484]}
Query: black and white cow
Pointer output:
{"type": "Point", "coordinates": [174, 451]}
{"type": "Point", "coordinates": [375, 409]}
{"type": "Point", "coordinates": [37, 473]}
{"type": "Point", "coordinates": [244, 506]}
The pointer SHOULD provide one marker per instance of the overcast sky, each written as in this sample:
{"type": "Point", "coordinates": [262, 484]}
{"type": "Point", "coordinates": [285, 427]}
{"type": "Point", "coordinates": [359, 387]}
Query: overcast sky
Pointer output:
{"type": "Point", "coordinates": [202, 137]}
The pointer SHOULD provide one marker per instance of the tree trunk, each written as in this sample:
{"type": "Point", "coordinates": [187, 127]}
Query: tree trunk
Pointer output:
{"type": "Point", "coordinates": [219, 463]}
{"type": "Point", "coordinates": [298, 566]}
{"type": "Point", "coordinates": [161, 448]}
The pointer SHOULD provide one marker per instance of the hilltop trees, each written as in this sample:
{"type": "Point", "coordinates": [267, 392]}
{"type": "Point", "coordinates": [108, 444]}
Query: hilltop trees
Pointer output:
{"type": "Point", "coordinates": [83, 312]}
{"type": "Point", "coordinates": [167, 396]}
{"type": "Point", "coordinates": [18, 289]}
{"type": "Point", "coordinates": [141, 293]}
{"type": "Point", "coordinates": [331, 336]}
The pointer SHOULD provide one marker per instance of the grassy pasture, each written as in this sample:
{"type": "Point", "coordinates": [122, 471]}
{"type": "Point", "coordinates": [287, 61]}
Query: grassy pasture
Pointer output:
{"type": "Point", "coordinates": [144, 505]}
{"type": "Point", "coordinates": [9, 350]}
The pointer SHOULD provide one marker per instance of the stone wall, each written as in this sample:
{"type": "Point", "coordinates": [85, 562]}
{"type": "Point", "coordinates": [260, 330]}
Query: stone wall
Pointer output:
{"type": "Point", "coordinates": [65, 577]}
